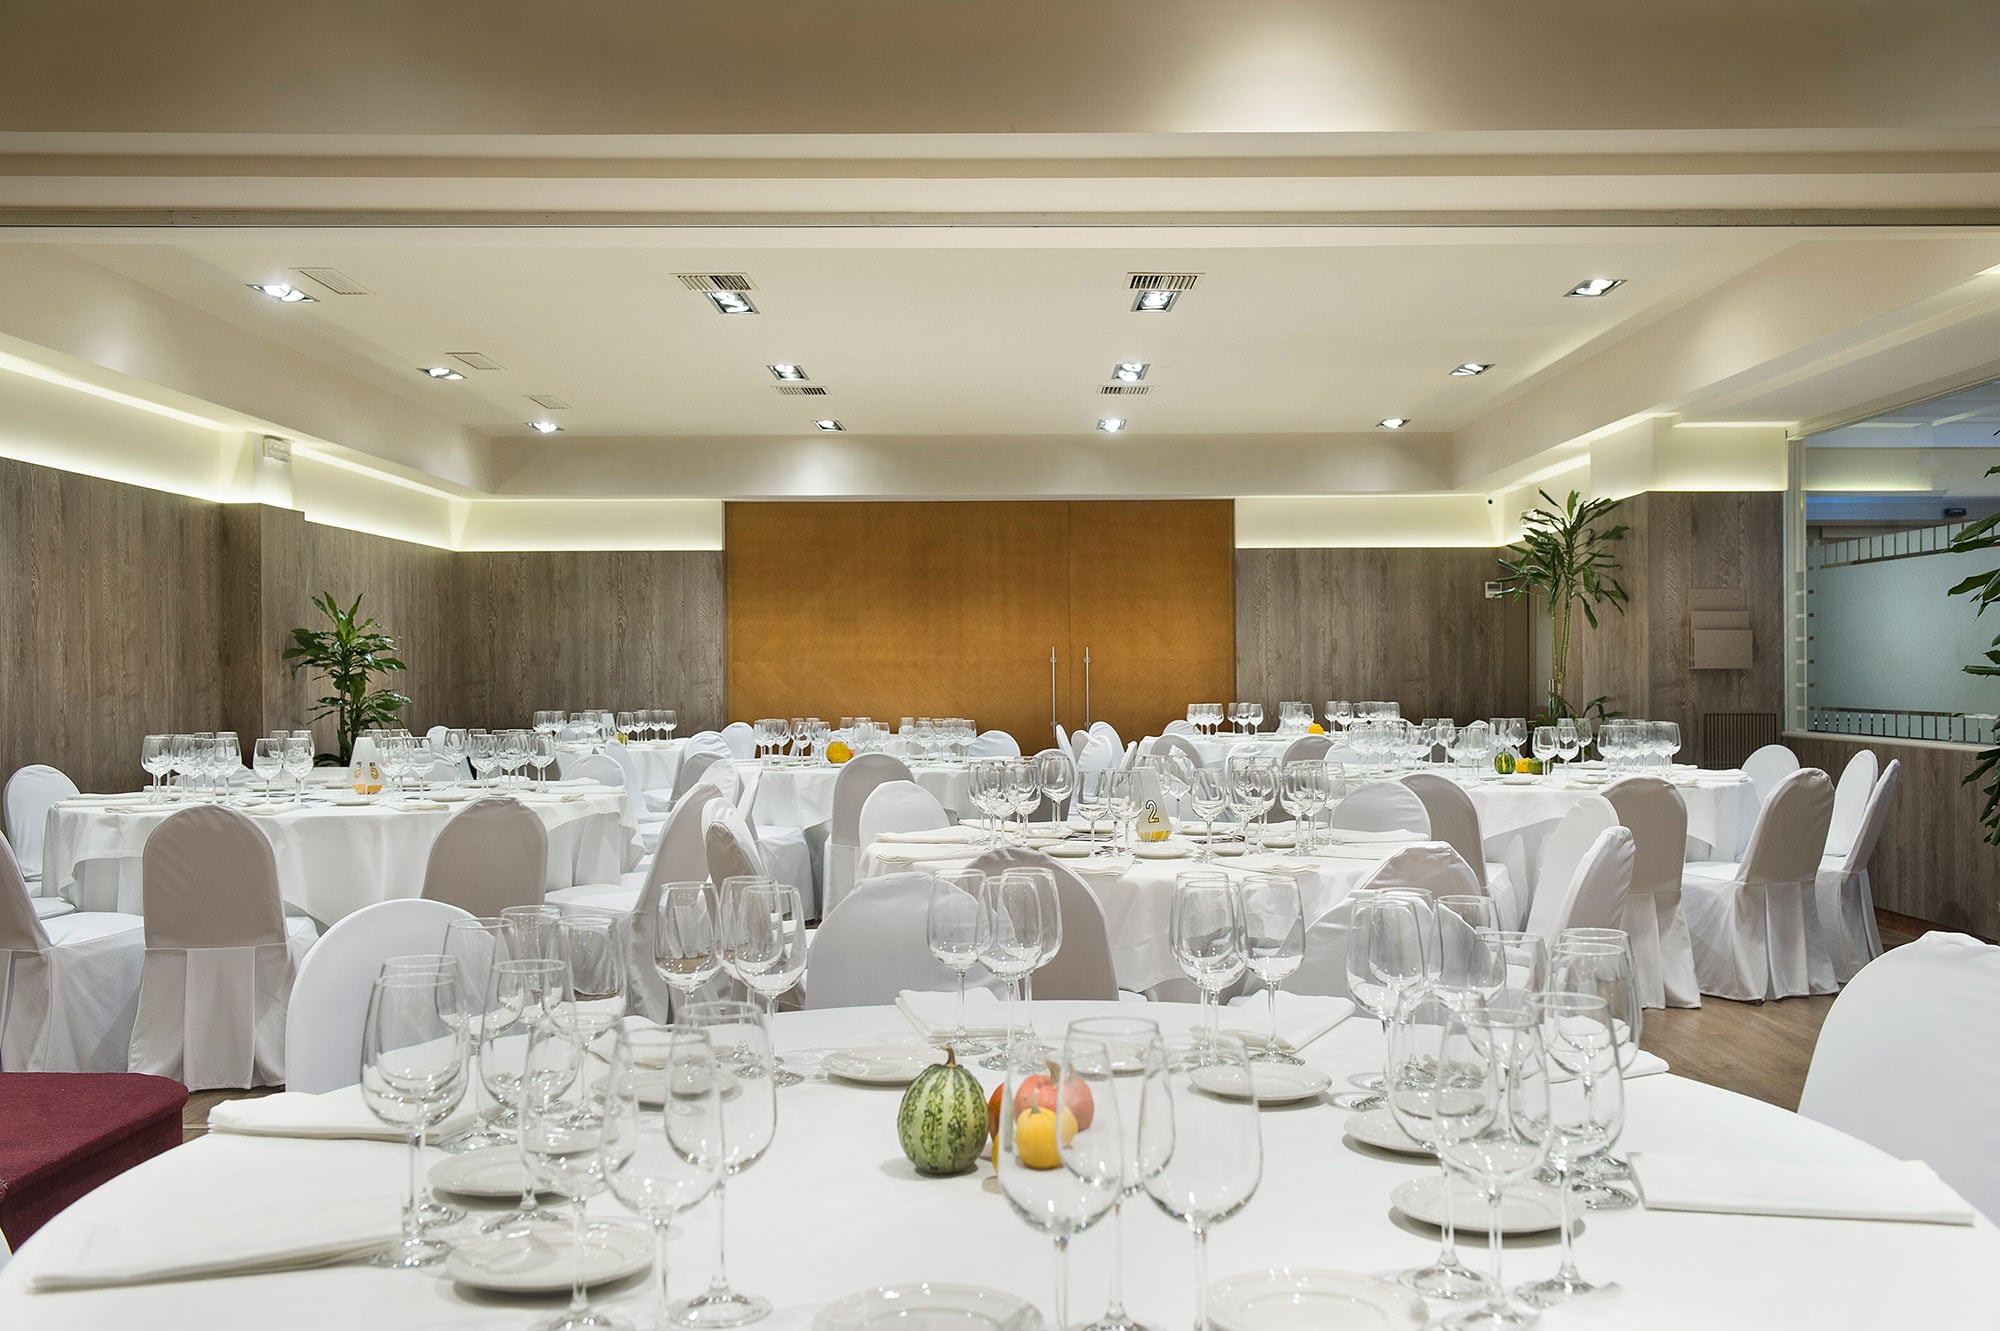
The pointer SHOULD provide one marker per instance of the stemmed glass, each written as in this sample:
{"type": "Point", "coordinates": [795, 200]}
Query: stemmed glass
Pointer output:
{"type": "Point", "coordinates": [541, 755]}
{"type": "Point", "coordinates": [267, 760]}
{"type": "Point", "coordinates": [1055, 773]}
{"type": "Point", "coordinates": [473, 946]}
{"type": "Point", "coordinates": [1127, 801]}
{"type": "Point", "coordinates": [1524, 961]}
{"type": "Point", "coordinates": [523, 994]}
{"type": "Point", "coordinates": [513, 754]}
{"type": "Point", "coordinates": [1134, 1046]}
{"type": "Point", "coordinates": [1201, 1153]}
{"type": "Point", "coordinates": [298, 762]}
{"type": "Point", "coordinates": [1341, 714]}
{"type": "Point", "coordinates": [1386, 967]}
{"type": "Point", "coordinates": [1062, 1169]}
{"type": "Point", "coordinates": [413, 1062]}
{"type": "Point", "coordinates": [764, 942]}
{"type": "Point", "coordinates": [1014, 946]}
{"type": "Point", "coordinates": [749, 1121]}
{"type": "Point", "coordinates": [1207, 796]}
{"type": "Point", "coordinates": [1546, 746]}
{"type": "Point", "coordinates": [1175, 773]}
{"type": "Point", "coordinates": [1414, 1082]}
{"type": "Point", "coordinates": [1247, 799]}
{"type": "Point", "coordinates": [1599, 962]}
{"type": "Point", "coordinates": [1568, 742]}
{"type": "Point", "coordinates": [660, 1165]}
{"type": "Point", "coordinates": [482, 754]}
{"type": "Point", "coordinates": [1254, 714]}
{"type": "Point", "coordinates": [1093, 800]}
{"type": "Point", "coordinates": [453, 751]}
{"type": "Point", "coordinates": [1044, 880]}
{"type": "Point", "coordinates": [1586, 1112]}
{"type": "Point", "coordinates": [595, 945]}
{"type": "Point", "coordinates": [1024, 792]}
{"type": "Point", "coordinates": [156, 756]}
{"type": "Point", "coordinates": [687, 947]}
{"type": "Point", "coordinates": [959, 930]}
{"type": "Point", "coordinates": [986, 783]}
{"type": "Point", "coordinates": [1492, 1129]}
{"type": "Point", "coordinates": [1307, 791]}
{"type": "Point", "coordinates": [1274, 944]}
{"type": "Point", "coordinates": [667, 721]}
{"type": "Point", "coordinates": [1207, 938]}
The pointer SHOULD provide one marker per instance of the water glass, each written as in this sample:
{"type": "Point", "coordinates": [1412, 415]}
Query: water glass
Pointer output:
{"type": "Point", "coordinates": [413, 1074]}
{"type": "Point", "coordinates": [1201, 1152]}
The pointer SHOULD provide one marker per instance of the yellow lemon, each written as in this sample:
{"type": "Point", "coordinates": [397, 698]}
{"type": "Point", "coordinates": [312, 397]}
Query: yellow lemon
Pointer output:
{"type": "Point", "coordinates": [1035, 1137]}
{"type": "Point", "coordinates": [838, 752]}
{"type": "Point", "coordinates": [1315, 729]}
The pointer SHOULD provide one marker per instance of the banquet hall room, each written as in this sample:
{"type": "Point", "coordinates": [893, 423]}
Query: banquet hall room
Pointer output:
{"type": "Point", "coordinates": [1350, 628]}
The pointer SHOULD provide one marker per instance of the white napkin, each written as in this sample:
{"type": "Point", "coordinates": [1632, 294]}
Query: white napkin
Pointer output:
{"type": "Point", "coordinates": [1371, 853]}
{"type": "Point", "coordinates": [1355, 837]}
{"type": "Point", "coordinates": [1302, 1018]}
{"type": "Point", "coordinates": [925, 854]}
{"type": "Point", "coordinates": [330, 1115]}
{"type": "Point", "coordinates": [1100, 867]}
{"type": "Point", "coordinates": [935, 1013]}
{"type": "Point", "coordinates": [213, 1241]}
{"type": "Point", "coordinates": [1643, 1064]}
{"type": "Point", "coordinates": [1892, 1190]}
{"type": "Point", "coordinates": [931, 836]}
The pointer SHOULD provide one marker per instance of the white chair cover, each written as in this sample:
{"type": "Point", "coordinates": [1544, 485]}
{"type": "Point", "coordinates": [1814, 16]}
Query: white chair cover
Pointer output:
{"type": "Point", "coordinates": [1455, 820]}
{"type": "Point", "coordinates": [649, 994]}
{"type": "Point", "coordinates": [877, 944]}
{"type": "Point", "coordinates": [1767, 767]}
{"type": "Point", "coordinates": [1065, 742]}
{"type": "Point", "coordinates": [330, 997]}
{"type": "Point", "coordinates": [993, 744]}
{"type": "Point", "coordinates": [1595, 895]}
{"type": "Point", "coordinates": [1104, 731]}
{"type": "Point", "coordinates": [1178, 728]}
{"type": "Point", "coordinates": [1096, 754]}
{"type": "Point", "coordinates": [1131, 757]}
{"type": "Point", "coordinates": [1380, 806]}
{"type": "Point", "coordinates": [900, 806]}
{"type": "Point", "coordinates": [451, 771]}
{"type": "Point", "coordinates": [492, 854]}
{"type": "Point", "coordinates": [1307, 748]}
{"type": "Point", "coordinates": [741, 737]}
{"type": "Point", "coordinates": [1431, 868]}
{"type": "Point", "coordinates": [702, 749]}
{"type": "Point", "coordinates": [785, 851]}
{"type": "Point", "coordinates": [1893, 1069]}
{"type": "Point", "coordinates": [1755, 924]}
{"type": "Point", "coordinates": [858, 777]}
{"type": "Point", "coordinates": [1175, 742]}
{"type": "Point", "coordinates": [220, 954]}
{"type": "Point", "coordinates": [1662, 956]}
{"type": "Point", "coordinates": [69, 988]}
{"type": "Point", "coordinates": [732, 848]}
{"type": "Point", "coordinates": [24, 816]}
{"type": "Point", "coordinates": [1845, 896]}
{"type": "Point", "coordinates": [1850, 801]}
{"type": "Point", "coordinates": [1562, 851]}
{"type": "Point", "coordinates": [1083, 968]}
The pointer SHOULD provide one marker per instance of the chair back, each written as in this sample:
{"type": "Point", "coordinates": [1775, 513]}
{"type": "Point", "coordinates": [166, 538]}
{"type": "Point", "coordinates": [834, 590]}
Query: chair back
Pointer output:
{"type": "Point", "coordinates": [876, 943]}
{"type": "Point", "coordinates": [1307, 748]}
{"type": "Point", "coordinates": [1180, 727]}
{"type": "Point", "coordinates": [1850, 801]}
{"type": "Point", "coordinates": [741, 737]}
{"type": "Point", "coordinates": [1103, 730]}
{"type": "Point", "coordinates": [993, 744]}
{"type": "Point", "coordinates": [1176, 742]}
{"type": "Point", "coordinates": [683, 853]}
{"type": "Point", "coordinates": [1083, 968]}
{"type": "Point", "coordinates": [696, 755]}
{"type": "Point", "coordinates": [20, 927]}
{"type": "Point", "coordinates": [1873, 818]}
{"type": "Point", "coordinates": [1433, 868]}
{"type": "Point", "coordinates": [1094, 753]}
{"type": "Point", "coordinates": [900, 806]}
{"type": "Point", "coordinates": [1657, 817]}
{"type": "Point", "coordinates": [1064, 742]}
{"type": "Point", "coordinates": [1562, 852]}
{"type": "Point", "coordinates": [330, 996]}
{"type": "Point", "coordinates": [24, 812]}
{"type": "Point", "coordinates": [1594, 897]}
{"type": "Point", "coordinates": [599, 767]}
{"type": "Point", "coordinates": [1380, 806]}
{"type": "Point", "coordinates": [492, 854]}
{"type": "Point", "coordinates": [858, 779]}
{"type": "Point", "coordinates": [731, 846]}
{"type": "Point", "coordinates": [1768, 766]}
{"type": "Point", "coordinates": [1891, 1069]}
{"type": "Point", "coordinates": [211, 882]}
{"type": "Point", "coordinates": [1790, 834]}
{"type": "Point", "coordinates": [1452, 816]}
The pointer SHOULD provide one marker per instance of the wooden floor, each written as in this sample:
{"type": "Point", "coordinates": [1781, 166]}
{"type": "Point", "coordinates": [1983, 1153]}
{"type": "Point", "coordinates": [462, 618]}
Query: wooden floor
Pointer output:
{"type": "Point", "coordinates": [1756, 1049]}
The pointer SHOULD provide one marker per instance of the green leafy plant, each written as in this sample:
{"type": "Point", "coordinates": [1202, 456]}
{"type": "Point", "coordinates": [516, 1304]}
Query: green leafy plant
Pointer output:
{"type": "Point", "coordinates": [1984, 589]}
{"type": "Point", "coordinates": [1565, 556]}
{"type": "Point", "coordinates": [1598, 709]}
{"type": "Point", "coordinates": [350, 654]}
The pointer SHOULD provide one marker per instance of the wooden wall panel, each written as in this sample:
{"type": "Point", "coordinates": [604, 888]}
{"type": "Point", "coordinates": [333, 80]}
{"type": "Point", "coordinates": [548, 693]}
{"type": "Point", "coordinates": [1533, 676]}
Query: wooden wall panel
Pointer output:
{"type": "Point", "coordinates": [408, 588]}
{"type": "Point", "coordinates": [1408, 625]}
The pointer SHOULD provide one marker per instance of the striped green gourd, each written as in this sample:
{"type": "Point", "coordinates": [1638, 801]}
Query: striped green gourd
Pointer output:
{"type": "Point", "coordinates": [942, 1120]}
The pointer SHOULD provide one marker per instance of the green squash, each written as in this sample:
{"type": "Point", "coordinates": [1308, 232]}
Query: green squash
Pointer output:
{"type": "Point", "coordinates": [942, 1120]}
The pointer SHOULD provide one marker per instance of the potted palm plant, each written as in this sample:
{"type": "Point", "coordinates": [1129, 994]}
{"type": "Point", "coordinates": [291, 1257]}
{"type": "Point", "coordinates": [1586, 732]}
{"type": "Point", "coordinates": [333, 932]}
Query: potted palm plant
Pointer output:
{"type": "Point", "coordinates": [350, 653]}
{"type": "Point", "coordinates": [1984, 589]}
{"type": "Point", "coordinates": [1565, 557]}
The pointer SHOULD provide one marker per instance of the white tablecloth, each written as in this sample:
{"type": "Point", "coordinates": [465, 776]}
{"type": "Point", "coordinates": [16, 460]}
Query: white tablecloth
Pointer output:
{"type": "Point", "coordinates": [1515, 817]}
{"type": "Point", "coordinates": [656, 760]}
{"type": "Point", "coordinates": [332, 859]}
{"type": "Point", "coordinates": [802, 796]}
{"type": "Point", "coordinates": [1218, 748]}
{"type": "Point", "coordinates": [834, 1209]}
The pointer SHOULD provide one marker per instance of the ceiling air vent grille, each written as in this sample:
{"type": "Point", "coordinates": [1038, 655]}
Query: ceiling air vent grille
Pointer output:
{"type": "Point", "coordinates": [801, 390]}
{"type": "Point", "coordinates": [474, 360]}
{"type": "Point", "coordinates": [339, 283]}
{"type": "Point", "coordinates": [716, 282]}
{"type": "Point", "coordinates": [1124, 390]}
{"type": "Point", "coordinates": [1163, 281]}
{"type": "Point", "coordinates": [548, 402]}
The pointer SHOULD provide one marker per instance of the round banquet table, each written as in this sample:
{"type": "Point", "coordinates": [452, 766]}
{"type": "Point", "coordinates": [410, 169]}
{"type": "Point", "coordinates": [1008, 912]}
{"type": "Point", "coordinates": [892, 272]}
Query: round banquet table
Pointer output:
{"type": "Point", "coordinates": [1516, 814]}
{"type": "Point", "coordinates": [655, 760]}
{"type": "Point", "coordinates": [332, 858]}
{"type": "Point", "coordinates": [834, 1208]}
{"type": "Point", "coordinates": [1217, 749]}
{"type": "Point", "coordinates": [802, 795]}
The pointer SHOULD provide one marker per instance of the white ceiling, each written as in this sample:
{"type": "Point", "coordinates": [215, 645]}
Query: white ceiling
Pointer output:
{"type": "Point", "coordinates": [1969, 418]}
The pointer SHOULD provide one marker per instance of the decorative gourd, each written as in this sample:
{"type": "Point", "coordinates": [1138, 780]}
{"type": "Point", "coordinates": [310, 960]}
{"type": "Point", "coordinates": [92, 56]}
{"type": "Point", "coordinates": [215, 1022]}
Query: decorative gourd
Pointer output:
{"type": "Point", "coordinates": [942, 1121]}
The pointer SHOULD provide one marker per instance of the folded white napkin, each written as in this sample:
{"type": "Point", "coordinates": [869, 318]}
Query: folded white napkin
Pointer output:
{"type": "Point", "coordinates": [935, 1013]}
{"type": "Point", "coordinates": [1357, 852]}
{"type": "Point", "coordinates": [211, 1241]}
{"type": "Point", "coordinates": [925, 854]}
{"type": "Point", "coordinates": [1355, 837]}
{"type": "Point", "coordinates": [1892, 1190]}
{"type": "Point", "coordinates": [1302, 1018]}
{"type": "Point", "coordinates": [1643, 1064]}
{"type": "Point", "coordinates": [330, 1115]}
{"type": "Point", "coordinates": [932, 836]}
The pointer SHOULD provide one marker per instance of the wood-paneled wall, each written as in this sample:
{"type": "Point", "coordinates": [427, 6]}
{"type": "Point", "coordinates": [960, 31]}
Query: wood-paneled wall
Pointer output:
{"type": "Point", "coordinates": [1406, 625]}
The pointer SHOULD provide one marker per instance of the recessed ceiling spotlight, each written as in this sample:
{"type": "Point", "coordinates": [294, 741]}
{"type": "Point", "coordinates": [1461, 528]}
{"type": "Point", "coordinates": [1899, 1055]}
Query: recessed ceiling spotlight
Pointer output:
{"type": "Point", "coordinates": [1155, 302]}
{"type": "Point", "coordinates": [282, 291]}
{"type": "Point", "coordinates": [442, 372]}
{"type": "Point", "coordinates": [828, 425]}
{"type": "Point", "coordinates": [731, 302]}
{"type": "Point", "coordinates": [1111, 424]}
{"type": "Point", "coordinates": [1470, 368]}
{"type": "Point", "coordinates": [544, 427]}
{"type": "Point", "coordinates": [1130, 371]}
{"type": "Point", "coordinates": [787, 372]}
{"type": "Point", "coordinates": [1596, 286]}
{"type": "Point", "coordinates": [1392, 423]}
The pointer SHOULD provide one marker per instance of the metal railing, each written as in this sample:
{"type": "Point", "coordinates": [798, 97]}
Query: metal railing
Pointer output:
{"type": "Point", "coordinates": [1897, 723]}
{"type": "Point", "coordinates": [1905, 544]}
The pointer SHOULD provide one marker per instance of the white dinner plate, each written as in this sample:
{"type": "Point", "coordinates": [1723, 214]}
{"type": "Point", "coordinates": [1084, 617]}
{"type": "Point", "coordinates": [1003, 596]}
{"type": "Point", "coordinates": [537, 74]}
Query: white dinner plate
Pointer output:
{"type": "Point", "coordinates": [1270, 1083]}
{"type": "Point", "coordinates": [1229, 849]}
{"type": "Point", "coordinates": [1069, 850]}
{"type": "Point", "coordinates": [1283, 1299]}
{"type": "Point", "coordinates": [650, 1084]}
{"type": "Point", "coordinates": [1161, 850]}
{"type": "Point", "coordinates": [540, 1260]}
{"type": "Point", "coordinates": [1522, 779]}
{"type": "Point", "coordinates": [1378, 1128]}
{"type": "Point", "coordinates": [491, 1171]}
{"type": "Point", "coordinates": [926, 1307]}
{"type": "Point", "coordinates": [880, 1065]}
{"type": "Point", "coordinates": [1525, 1208]}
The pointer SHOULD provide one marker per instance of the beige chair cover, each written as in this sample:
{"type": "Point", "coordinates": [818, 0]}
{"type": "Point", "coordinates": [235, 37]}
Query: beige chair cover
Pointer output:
{"type": "Point", "coordinates": [1083, 968]}
{"type": "Point", "coordinates": [1595, 897]}
{"type": "Point", "coordinates": [878, 944]}
{"type": "Point", "coordinates": [219, 954]}
{"type": "Point", "coordinates": [858, 778]}
{"type": "Point", "coordinates": [1846, 898]}
{"type": "Point", "coordinates": [732, 848]}
{"type": "Point", "coordinates": [1455, 820]}
{"type": "Point", "coordinates": [702, 749]}
{"type": "Point", "coordinates": [1430, 868]}
{"type": "Point", "coordinates": [1380, 806]}
{"type": "Point", "coordinates": [1574, 834]}
{"type": "Point", "coordinates": [1307, 748]}
{"type": "Point", "coordinates": [69, 987]}
{"type": "Point", "coordinates": [1755, 925]}
{"type": "Point", "coordinates": [492, 854]}
{"type": "Point", "coordinates": [1662, 956]}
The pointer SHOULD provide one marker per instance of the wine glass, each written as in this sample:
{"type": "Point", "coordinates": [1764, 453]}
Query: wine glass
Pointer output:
{"type": "Point", "coordinates": [267, 760]}
{"type": "Point", "coordinates": [413, 1069]}
{"type": "Point", "coordinates": [986, 784]}
{"type": "Point", "coordinates": [474, 945]}
{"type": "Point", "coordinates": [1174, 773]}
{"type": "Point", "coordinates": [1060, 1159]}
{"type": "Point", "coordinates": [1024, 791]}
{"type": "Point", "coordinates": [1386, 967]}
{"type": "Point", "coordinates": [513, 754]}
{"type": "Point", "coordinates": [1274, 944]}
{"type": "Point", "coordinates": [535, 931]}
{"type": "Point", "coordinates": [1341, 714]}
{"type": "Point", "coordinates": [668, 721]}
{"type": "Point", "coordinates": [1306, 791]}
{"type": "Point", "coordinates": [1201, 1150]}
{"type": "Point", "coordinates": [1127, 802]}
{"type": "Point", "coordinates": [660, 1165]}
{"type": "Point", "coordinates": [1414, 1082]}
{"type": "Point", "coordinates": [1207, 796]}
{"type": "Point", "coordinates": [1207, 938]}
{"type": "Point", "coordinates": [1093, 800]}
{"type": "Point", "coordinates": [1134, 1046]}
{"type": "Point", "coordinates": [1247, 799]}
{"type": "Point", "coordinates": [298, 762]}
{"type": "Point", "coordinates": [1546, 746]}
{"type": "Point", "coordinates": [764, 944]}
{"type": "Point", "coordinates": [1586, 1112]}
{"type": "Point", "coordinates": [482, 754]}
{"type": "Point", "coordinates": [453, 751]}
{"type": "Point", "coordinates": [1055, 773]}
{"type": "Point", "coordinates": [1492, 1130]}
{"type": "Point", "coordinates": [541, 755]}
{"type": "Point", "coordinates": [1568, 743]}
{"type": "Point", "coordinates": [1599, 962]}
{"type": "Point", "coordinates": [1044, 881]}
{"type": "Point", "coordinates": [595, 945]}
{"type": "Point", "coordinates": [156, 756]}
{"type": "Point", "coordinates": [1471, 968]}
{"type": "Point", "coordinates": [687, 948]}
{"type": "Point", "coordinates": [749, 1121]}
{"type": "Point", "coordinates": [1017, 939]}
{"type": "Point", "coordinates": [522, 994]}
{"type": "Point", "coordinates": [959, 928]}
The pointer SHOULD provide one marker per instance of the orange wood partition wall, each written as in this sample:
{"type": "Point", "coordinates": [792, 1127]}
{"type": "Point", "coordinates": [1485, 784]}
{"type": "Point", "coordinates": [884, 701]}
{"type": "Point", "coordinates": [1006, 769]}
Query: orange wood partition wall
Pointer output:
{"type": "Point", "coordinates": [905, 609]}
